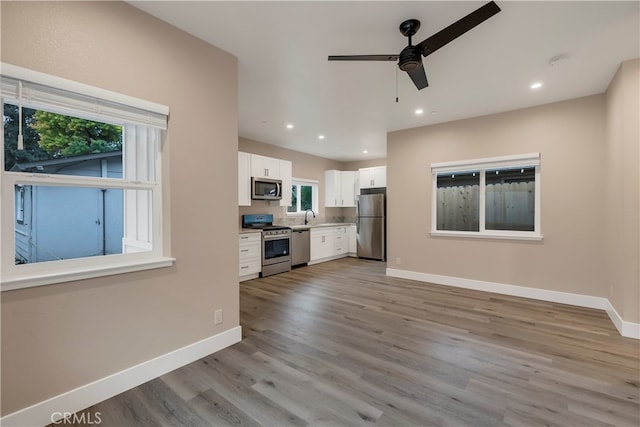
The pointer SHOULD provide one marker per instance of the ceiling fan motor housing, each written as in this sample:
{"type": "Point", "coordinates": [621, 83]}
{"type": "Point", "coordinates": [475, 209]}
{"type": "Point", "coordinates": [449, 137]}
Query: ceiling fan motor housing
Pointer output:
{"type": "Point", "coordinates": [410, 58]}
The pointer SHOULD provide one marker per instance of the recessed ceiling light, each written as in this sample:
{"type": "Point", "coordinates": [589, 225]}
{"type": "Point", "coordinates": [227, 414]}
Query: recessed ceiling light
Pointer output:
{"type": "Point", "coordinates": [364, 151]}
{"type": "Point", "coordinates": [320, 136]}
{"type": "Point", "coordinates": [289, 126]}
{"type": "Point", "coordinates": [419, 111]}
{"type": "Point", "coordinates": [536, 85]}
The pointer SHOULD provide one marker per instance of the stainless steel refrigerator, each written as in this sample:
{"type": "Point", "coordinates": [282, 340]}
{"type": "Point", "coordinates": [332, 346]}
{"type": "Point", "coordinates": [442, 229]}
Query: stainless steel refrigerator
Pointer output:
{"type": "Point", "coordinates": [371, 223]}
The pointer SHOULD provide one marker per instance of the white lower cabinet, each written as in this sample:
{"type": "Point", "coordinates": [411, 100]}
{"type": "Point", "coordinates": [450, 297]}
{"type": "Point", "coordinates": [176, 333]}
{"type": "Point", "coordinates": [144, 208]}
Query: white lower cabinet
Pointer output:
{"type": "Point", "coordinates": [321, 244]}
{"type": "Point", "coordinates": [352, 243]}
{"type": "Point", "coordinates": [250, 255]}
{"type": "Point", "coordinates": [329, 243]}
{"type": "Point", "coordinates": [341, 243]}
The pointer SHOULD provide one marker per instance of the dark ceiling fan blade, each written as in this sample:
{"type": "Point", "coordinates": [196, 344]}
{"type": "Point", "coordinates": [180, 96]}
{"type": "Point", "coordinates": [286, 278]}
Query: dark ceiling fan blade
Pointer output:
{"type": "Point", "coordinates": [419, 77]}
{"type": "Point", "coordinates": [363, 57]}
{"type": "Point", "coordinates": [458, 28]}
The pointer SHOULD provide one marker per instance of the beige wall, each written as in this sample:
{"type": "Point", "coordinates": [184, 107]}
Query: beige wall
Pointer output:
{"type": "Point", "coordinates": [59, 337]}
{"type": "Point", "coordinates": [304, 166]}
{"type": "Point", "coordinates": [570, 137]}
{"type": "Point", "coordinates": [358, 164]}
{"type": "Point", "coordinates": [622, 178]}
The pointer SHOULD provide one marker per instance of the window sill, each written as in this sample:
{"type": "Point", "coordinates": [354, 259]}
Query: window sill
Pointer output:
{"type": "Point", "coordinates": [28, 281]}
{"type": "Point", "coordinates": [489, 235]}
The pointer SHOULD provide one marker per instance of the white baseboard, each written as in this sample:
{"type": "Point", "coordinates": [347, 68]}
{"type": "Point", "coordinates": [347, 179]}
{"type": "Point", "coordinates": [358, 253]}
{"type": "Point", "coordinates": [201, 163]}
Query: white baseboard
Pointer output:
{"type": "Point", "coordinates": [87, 395]}
{"type": "Point", "coordinates": [626, 329]}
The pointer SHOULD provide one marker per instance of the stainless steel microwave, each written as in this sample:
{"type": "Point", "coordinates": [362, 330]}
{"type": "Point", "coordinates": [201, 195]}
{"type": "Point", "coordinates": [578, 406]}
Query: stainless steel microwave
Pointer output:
{"type": "Point", "coordinates": [266, 189]}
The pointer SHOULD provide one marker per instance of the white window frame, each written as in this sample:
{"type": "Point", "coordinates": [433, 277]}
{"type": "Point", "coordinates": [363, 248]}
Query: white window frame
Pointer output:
{"type": "Point", "coordinates": [314, 201]}
{"type": "Point", "coordinates": [68, 97]}
{"type": "Point", "coordinates": [481, 166]}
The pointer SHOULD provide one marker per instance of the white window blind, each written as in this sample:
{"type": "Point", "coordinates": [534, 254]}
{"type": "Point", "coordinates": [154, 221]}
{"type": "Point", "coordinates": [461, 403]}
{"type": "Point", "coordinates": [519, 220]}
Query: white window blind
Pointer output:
{"type": "Point", "coordinates": [532, 159]}
{"type": "Point", "coordinates": [50, 93]}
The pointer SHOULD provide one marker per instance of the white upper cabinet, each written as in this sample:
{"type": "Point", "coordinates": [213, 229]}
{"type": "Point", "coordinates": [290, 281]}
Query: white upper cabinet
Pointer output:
{"type": "Point", "coordinates": [348, 188]}
{"type": "Point", "coordinates": [373, 177]}
{"type": "Point", "coordinates": [332, 188]}
{"type": "Point", "coordinates": [339, 189]}
{"type": "Point", "coordinates": [253, 165]}
{"type": "Point", "coordinates": [244, 179]}
{"type": "Point", "coordinates": [285, 168]}
{"type": "Point", "coordinates": [265, 167]}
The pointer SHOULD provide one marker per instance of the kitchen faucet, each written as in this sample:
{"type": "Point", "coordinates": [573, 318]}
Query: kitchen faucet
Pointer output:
{"type": "Point", "coordinates": [306, 221]}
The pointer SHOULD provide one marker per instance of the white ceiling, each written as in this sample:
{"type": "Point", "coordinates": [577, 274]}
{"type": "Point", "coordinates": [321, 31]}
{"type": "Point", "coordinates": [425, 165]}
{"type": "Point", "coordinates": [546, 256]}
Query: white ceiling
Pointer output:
{"type": "Point", "coordinates": [284, 75]}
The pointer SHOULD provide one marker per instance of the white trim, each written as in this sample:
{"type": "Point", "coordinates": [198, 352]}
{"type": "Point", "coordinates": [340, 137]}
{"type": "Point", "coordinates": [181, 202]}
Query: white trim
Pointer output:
{"type": "Point", "coordinates": [21, 73]}
{"type": "Point", "coordinates": [315, 185]}
{"type": "Point", "coordinates": [87, 395]}
{"type": "Point", "coordinates": [305, 180]}
{"type": "Point", "coordinates": [530, 159]}
{"type": "Point", "coordinates": [492, 234]}
{"type": "Point", "coordinates": [81, 273]}
{"type": "Point", "coordinates": [626, 329]}
{"type": "Point", "coordinates": [481, 166]}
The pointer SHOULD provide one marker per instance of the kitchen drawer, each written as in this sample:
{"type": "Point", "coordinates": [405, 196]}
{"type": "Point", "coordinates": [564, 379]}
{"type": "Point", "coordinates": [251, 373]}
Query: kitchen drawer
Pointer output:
{"type": "Point", "coordinates": [250, 250]}
{"type": "Point", "coordinates": [340, 244]}
{"type": "Point", "coordinates": [250, 254]}
{"type": "Point", "coordinates": [251, 266]}
{"type": "Point", "coordinates": [250, 238]}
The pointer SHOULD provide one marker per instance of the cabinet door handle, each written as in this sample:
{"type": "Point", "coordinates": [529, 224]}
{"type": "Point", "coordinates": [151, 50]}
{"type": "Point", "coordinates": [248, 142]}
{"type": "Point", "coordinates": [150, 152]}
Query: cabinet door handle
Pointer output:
{"type": "Point", "coordinates": [244, 250]}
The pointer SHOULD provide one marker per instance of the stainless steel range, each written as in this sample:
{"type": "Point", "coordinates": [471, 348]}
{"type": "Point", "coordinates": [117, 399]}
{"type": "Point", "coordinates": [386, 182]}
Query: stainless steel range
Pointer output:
{"type": "Point", "coordinates": [276, 243]}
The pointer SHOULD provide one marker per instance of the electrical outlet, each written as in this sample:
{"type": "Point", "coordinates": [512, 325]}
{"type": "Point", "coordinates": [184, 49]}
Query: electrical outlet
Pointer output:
{"type": "Point", "coordinates": [218, 317]}
{"type": "Point", "coordinates": [398, 261]}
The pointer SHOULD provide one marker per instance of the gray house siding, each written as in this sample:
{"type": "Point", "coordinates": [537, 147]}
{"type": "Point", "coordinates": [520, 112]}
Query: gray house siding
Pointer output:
{"type": "Point", "coordinates": [64, 222]}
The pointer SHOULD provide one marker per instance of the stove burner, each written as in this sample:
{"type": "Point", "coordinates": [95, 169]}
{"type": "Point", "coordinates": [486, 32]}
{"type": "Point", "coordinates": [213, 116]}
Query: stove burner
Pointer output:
{"type": "Point", "coordinates": [262, 222]}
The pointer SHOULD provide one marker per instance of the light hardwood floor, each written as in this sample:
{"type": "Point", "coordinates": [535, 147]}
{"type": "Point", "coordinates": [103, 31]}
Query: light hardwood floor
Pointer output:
{"type": "Point", "coordinates": [341, 344]}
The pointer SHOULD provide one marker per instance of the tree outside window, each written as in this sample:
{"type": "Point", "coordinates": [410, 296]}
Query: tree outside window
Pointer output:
{"type": "Point", "coordinates": [304, 196]}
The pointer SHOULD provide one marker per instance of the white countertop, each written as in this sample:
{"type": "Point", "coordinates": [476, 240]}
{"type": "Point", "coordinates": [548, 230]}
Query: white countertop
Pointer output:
{"type": "Point", "coordinates": [301, 226]}
{"type": "Point", "coordinates": [250, 230]}
{"type": "Point", "coordinates": [325, 224]}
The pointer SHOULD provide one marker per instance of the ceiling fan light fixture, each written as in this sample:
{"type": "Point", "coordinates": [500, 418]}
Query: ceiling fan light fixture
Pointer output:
{"type": "Point", "coordinates": [410, 58]}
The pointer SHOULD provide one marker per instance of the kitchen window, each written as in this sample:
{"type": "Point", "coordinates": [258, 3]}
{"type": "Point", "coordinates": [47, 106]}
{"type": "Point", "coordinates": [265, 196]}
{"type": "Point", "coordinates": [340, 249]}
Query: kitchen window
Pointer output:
{"type": "Point", "coordinates": [304, 195]}
{"type": "Point", "coordinates": [81, 181]}
{"type": "Point", "coordinates": [491, 198]}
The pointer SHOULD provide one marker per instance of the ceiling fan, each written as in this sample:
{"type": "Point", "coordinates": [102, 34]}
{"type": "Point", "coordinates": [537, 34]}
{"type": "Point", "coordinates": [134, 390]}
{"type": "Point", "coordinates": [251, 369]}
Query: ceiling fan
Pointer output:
{"type": "Point", "coordinates": [410, 59]}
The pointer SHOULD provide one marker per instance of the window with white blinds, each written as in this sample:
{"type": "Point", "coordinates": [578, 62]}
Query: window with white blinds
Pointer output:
{"type": "Point", "coordinates": [81, 181]}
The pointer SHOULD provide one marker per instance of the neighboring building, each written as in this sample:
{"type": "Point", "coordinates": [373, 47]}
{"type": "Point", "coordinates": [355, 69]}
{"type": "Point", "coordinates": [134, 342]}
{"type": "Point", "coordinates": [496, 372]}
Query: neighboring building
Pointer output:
{"type": "Point", "coordinates": [54, 223]}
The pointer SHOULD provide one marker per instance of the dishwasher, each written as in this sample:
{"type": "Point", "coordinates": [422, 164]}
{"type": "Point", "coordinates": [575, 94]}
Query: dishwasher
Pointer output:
{"type": "Point", "coordinates": [300, 246]}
